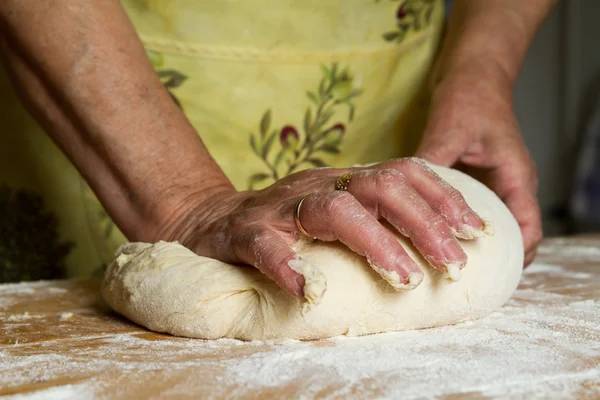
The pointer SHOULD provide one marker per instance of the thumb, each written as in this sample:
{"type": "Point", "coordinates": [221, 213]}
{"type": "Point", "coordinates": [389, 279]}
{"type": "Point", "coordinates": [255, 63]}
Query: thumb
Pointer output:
{"type": "Point", "coordinates": [442, 147]}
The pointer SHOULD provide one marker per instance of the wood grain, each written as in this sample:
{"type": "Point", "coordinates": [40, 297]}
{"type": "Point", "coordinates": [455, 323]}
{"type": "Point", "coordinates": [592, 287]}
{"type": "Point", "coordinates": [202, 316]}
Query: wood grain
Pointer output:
{"type": "Point", "coordinates": [97, 354]}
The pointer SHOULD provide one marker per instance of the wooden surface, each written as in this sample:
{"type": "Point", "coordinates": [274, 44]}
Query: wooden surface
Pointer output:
{"type": "Point", "coordinates": [544, 343]}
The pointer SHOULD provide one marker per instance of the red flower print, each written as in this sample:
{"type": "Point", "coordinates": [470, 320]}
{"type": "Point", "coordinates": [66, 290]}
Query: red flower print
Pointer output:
{"type": "Point", "coordinates": [338, 127]}
{"type": "Point", "coordinates": [411, 15]}
{"type": "Point", "coordinates": [401, 13]}
{"type": "Point", "coordinates": [288, 132]}
{"type": "Point", "coordinates": [306, 145]}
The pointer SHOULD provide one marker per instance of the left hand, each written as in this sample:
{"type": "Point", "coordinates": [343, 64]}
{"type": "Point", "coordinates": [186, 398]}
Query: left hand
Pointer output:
{"type": "Point", "coordinates": [472, 127]}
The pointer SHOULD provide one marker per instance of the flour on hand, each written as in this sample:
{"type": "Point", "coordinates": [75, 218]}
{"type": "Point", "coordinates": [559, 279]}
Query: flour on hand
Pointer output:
{"type": "Point", "coordinates": [167, 288]}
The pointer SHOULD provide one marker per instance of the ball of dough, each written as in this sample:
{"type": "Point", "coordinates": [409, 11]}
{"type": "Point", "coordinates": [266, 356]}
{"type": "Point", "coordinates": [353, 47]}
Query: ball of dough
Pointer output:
{"type": "Point", "coordinates": [167, 288]}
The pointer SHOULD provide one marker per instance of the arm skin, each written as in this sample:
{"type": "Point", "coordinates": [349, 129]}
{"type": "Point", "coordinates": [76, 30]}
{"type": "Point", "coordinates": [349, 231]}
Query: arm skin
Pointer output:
{"type": "Point", "coordinates": [85, 77]}
{"type": "Point", "coordinates": [471, 123]}
{"type": "Point", "coordinates": [491, 34]}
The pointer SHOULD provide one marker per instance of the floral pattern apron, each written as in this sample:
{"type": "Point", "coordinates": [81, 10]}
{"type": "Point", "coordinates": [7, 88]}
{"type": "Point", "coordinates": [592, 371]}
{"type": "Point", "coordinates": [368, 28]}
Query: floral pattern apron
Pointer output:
{"type": "Point", "coordinates": [272, 87]}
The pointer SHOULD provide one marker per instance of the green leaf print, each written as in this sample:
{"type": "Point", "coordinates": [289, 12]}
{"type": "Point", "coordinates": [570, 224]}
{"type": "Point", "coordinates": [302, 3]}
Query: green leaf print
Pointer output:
{"type": "Point", "coordinates": [313, 97]}
{"type": "Point", "coordinates": [257, 178]}
{"type": "Point", "coordinates": [330, 148]}
{"type": "Point", "coordinates": [411, 16]}
{"type": "Point", "coordinates": [269, 143]}
{"type": "Point", "coordinates": [320, 134]}
{"type": "Point", "coordinates": [170, 78]}
{"type": "Point", "coordinates": [316, 162]}
{"type": "Point", "coordinates": [254, 146]}
{"type": "Point", "coordinates": [265, 123]}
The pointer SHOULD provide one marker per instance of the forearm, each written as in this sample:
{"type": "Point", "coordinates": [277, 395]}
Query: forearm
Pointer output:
{"type": "Point", "coordinates": [84, 75]}
{"type": "Point", "coordinates": [490, 36]}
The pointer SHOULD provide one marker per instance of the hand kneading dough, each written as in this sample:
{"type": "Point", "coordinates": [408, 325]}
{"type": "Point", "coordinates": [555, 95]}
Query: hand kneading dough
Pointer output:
{"type": "Point", "coordinates": [167, 288]}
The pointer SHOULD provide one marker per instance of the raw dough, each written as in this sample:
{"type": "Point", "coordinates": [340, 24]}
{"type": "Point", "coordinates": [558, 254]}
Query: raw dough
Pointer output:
{"type": "Point", "coordinates": [167, 288]}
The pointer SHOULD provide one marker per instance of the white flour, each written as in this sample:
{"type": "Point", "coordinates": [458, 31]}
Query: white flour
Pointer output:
{"type": "Point", "coordinates": [579, 252]}
{"type": "Point", "coordinates": [542, 344]}
{"type": "Point", "coordinates": [66, 392]}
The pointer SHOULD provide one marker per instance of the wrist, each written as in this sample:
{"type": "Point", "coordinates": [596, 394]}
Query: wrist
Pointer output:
{"type": "Point", "coordinates": [493, 33]}
{"type": "Point", "coordinates": [482, 80]}
{"type": "Point", "coordinates": [475, 69]}
{"type": "Point", "coordinates": [181, 207]}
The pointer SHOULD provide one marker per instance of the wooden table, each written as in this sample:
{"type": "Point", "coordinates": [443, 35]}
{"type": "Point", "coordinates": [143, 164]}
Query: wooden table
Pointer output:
{"type": "Point", "coordinates": [59, 341]}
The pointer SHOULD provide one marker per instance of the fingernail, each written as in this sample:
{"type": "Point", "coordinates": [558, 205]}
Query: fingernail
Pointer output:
{"type": "Point", "coordinates": [473, 220]}
{"type": "Point", "coordinates": [470, 227]}
{"type": "Point", "coordinates": [414, 279]}
{"type": "Point", "coordinates": [395, 280]}
{"type": "Point", "coordinates": [454, 273]}
{"type": "Point", "coordinates": [453, 252]}
{"type": "Point", "coordinates": [314, 281]}
{"type": "Point", "coordinates": [488, 228]}
{"type": "Point", "coordinates": [468, 232]}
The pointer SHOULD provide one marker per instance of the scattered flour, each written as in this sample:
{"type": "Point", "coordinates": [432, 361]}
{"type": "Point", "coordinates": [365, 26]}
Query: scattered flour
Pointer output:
{"type": "Point", "coordinates": [19, 317]}
{"type": "Point", "coordinates": [539, 268]}
{"type": "Point", "coordinates": [65, 392]}
{"type": "Point", "coordinates": [11, 293]}
{"type": "Point", "coordinates": [574, 252]}
{"type": "Point", "coordinates": [508, 353]}
{"type": "Point", "coordinates": [542, 344]}
{"type": "Point", "coordinates": [65, 316]}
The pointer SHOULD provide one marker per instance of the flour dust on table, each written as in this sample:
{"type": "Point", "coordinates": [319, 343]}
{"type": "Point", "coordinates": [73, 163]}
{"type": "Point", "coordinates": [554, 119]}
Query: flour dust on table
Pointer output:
{"type": "Point", "coordinates": [167, 288]}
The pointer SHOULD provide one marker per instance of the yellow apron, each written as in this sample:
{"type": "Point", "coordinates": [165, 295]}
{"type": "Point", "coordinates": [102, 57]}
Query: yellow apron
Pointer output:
{"type": "Point", "coordinates": [272, 87]}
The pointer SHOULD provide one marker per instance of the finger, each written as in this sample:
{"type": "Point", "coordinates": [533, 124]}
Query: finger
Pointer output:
{"type": "Point", "coordinates": [389, 194]}
{"type": "Point", "coordinates": [339, 216]}
{"type": "Point", "coordinates": [446, 136]}
{"type": "Point", "coordinates": [529, 257]}
{"type": "Point", "coordinates": [439, 150]}
{"type": "Point", "coordinates": [442, 197]}
{"type": "Point", "coordinates": [441, 145]}
{"type": "Point", "coordinates": [526, 211]}
{"type": "Point", "coordinates": [268, 252]}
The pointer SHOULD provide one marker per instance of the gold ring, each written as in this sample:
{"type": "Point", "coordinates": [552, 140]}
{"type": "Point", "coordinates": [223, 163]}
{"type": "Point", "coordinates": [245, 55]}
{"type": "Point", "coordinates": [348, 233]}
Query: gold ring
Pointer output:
{"type": "Point", "coordinates": [297, 215]}
{"type": "Point", "coordinates": [343, 181]}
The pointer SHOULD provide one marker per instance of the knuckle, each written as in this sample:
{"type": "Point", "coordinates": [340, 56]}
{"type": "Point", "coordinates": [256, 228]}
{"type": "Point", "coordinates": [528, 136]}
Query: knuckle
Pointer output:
{"type": "Point", "coordinates": [411, 163]}
{"type": "Point", "coordinates": [452, 198]}
{"type": "Point", "coordinates": [387, 179]}
{"type": "Point", "coordinates": [244, 242]}
{"type": "Point", "coordinates": [431, 227]}
{"type": "Point", "coordinates": [238, 231]}
{"type": "Point", "coordinates": [257, 240]}
{"type": "Point", "coordinates": [241, 233]}
{"type": "Point", "coordinates": [278, 260]}
{"type": "Point", "coordinates": [242, 223]}
{"type": "Point", "coordinates": [435, 225]}
{"type": "Point", "coordinates": [537, 238]}
{"type": "Point", "coordinates": [337, 202]}
{"type": "Point", "coordinates": [436, 221]}
{"type": "Point", "coordinates": [415, 161]}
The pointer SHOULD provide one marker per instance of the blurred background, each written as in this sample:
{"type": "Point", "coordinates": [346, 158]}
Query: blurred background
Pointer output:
{"type": "Point", "coordinates": [557, 103]}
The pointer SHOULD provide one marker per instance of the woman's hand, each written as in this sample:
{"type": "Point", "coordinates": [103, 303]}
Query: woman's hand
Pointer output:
{"type": "Point", "coordinates": [258, 227]}
{"type": "Point", "coordinates": [471, 123]}
{"type": "Point", "coordinates": [472, 127]}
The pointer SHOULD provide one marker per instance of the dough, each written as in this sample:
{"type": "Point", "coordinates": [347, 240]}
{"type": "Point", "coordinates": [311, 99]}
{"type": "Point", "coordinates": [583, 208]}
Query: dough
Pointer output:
{"type": "Point", "coordinates": [167, 288]}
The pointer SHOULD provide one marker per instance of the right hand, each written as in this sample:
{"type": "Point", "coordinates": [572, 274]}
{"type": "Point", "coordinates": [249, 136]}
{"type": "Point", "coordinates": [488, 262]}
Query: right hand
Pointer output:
{"type": "Point", "coordinates": [258, 227]}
